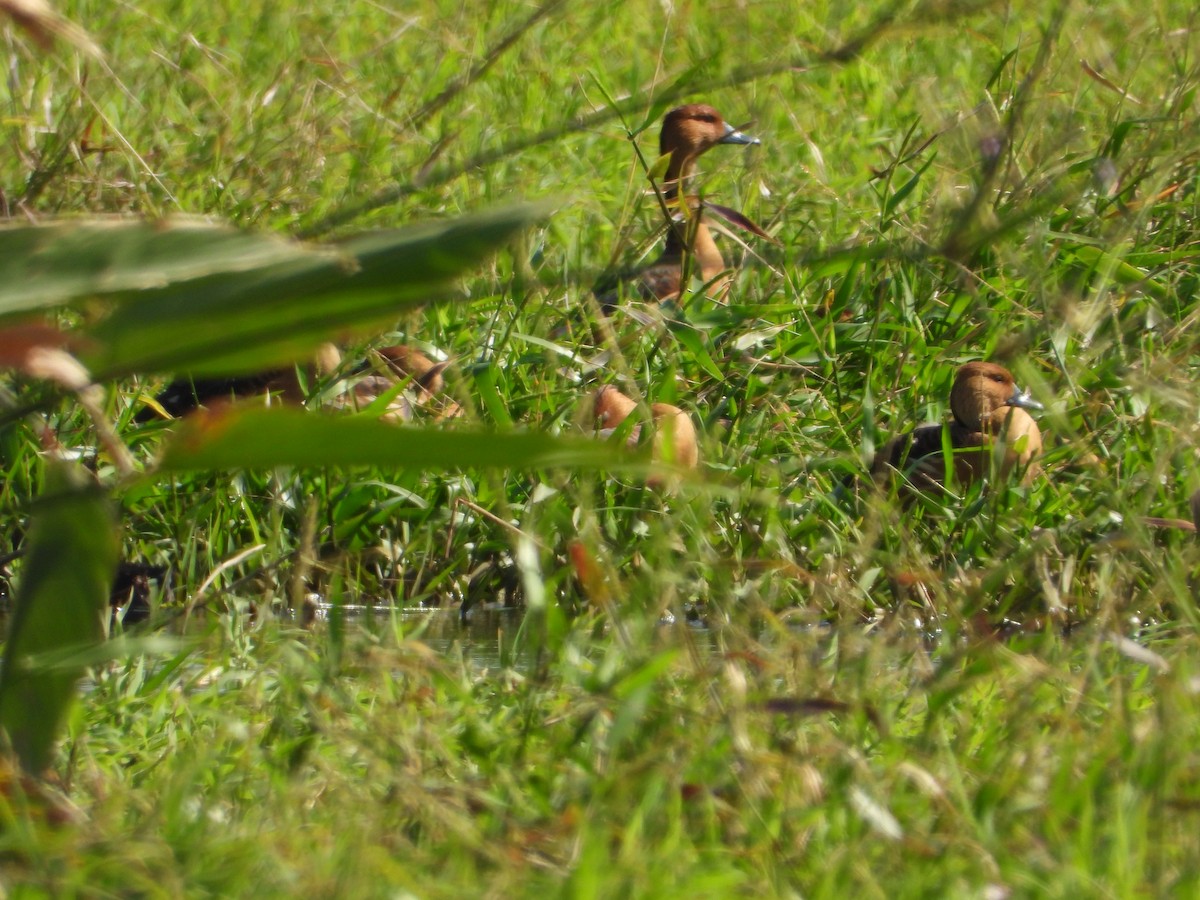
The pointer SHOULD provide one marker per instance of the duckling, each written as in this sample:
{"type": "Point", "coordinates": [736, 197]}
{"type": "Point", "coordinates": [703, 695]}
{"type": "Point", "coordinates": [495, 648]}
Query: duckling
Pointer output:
{"type": "Point", "coordinates": [687, 132]}
{"type": "Point", "coordinates": [674, 432]}
{"type": "Point", "coordinates": [985, 402]}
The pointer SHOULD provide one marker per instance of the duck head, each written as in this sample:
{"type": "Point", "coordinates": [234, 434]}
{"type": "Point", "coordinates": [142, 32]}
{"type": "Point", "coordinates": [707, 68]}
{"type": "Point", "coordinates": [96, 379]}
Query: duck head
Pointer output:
{"type": "Point", "coordinates": [981, 391]}
{"type": "Point", "coordinates": [687, 132]}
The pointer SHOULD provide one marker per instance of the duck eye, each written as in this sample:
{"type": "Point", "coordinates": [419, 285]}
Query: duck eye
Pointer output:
{"type": "Point", "coordinates": [708, 118]}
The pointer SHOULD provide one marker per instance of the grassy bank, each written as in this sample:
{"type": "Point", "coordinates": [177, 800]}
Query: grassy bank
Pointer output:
{"type": "Point", "coordinates": [945, 183]}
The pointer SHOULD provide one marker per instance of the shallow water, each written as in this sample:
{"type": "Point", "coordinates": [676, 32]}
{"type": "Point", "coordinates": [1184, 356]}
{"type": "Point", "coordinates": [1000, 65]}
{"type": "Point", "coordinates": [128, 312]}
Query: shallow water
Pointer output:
{"type": "Point", "coordinates": [489, 640]}
{"type": "Point", "coordinates": [486, 641]}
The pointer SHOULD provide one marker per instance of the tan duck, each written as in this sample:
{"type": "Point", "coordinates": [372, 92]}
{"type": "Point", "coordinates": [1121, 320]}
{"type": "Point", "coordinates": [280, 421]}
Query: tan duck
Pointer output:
{"type": "Point", "coordinates": [424, 376]}
{"type": "Point", "coordinates": [410, 363]}
{"type": "Point", "coordinates": [674, 432]}
{"type": "Point", "coordinates": [185, 394]}
{"type": "Point", "coordinates": [986, 404]}
{"type": "Point", "coordinates": [687, 133]}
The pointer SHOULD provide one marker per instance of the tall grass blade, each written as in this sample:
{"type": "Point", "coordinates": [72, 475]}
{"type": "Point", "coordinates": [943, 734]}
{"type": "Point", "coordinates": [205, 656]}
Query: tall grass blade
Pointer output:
{"type": "Point", "coordinates": [265, 438]}
{"type": "Point", "coordinates": [69, 564]}
{"type": "Point", "coordinates": [47, 266]}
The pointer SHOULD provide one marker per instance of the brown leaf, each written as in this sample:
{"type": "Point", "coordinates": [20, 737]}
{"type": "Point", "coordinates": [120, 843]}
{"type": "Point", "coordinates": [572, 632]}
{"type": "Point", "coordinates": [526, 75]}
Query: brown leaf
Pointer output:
{"type": "Point", "coordinates": [43, 24]}
{"type": "Point", "coordinates": [16, 341]}
{"type": "Point", "coordinates": [1158, 522]}
{"type": "Point", "coordinates": [756, 662]}
{"type": "Point", "coordinates": [733, 217]}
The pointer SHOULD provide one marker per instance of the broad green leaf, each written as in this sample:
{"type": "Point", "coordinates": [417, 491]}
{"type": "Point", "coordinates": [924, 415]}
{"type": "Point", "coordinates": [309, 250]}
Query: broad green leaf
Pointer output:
{"type": "Point", "coordinates": [255, 438]}
{"type": "Point", "coordinates": [47, 266]}
{"type": "Point", "coordinates": [690, 339]}
{"type": "Point", "coordinates": [247, 321]}
{"type": "Point", "coordinates": [61, 601]}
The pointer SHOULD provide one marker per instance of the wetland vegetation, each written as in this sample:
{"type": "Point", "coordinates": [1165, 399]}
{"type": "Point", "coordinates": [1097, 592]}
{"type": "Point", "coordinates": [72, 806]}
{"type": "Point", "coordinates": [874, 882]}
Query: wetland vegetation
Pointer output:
{"type": "Point", "coordinates": [762, 677]}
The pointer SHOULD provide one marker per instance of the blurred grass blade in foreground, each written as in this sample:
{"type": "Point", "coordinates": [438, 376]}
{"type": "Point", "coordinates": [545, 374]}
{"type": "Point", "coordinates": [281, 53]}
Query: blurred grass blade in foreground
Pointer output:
{"type": "Point", "coordinates": [61, 601]}
{"type": "Point", "coordinates": [250, 320]}
{"type": "Point", "coordinates": [60, 263]}
{"type": "Point", "coordinates": [183, 295]}
{"type": "Point", "coordinates": [43, 24]}
{"type": "Point", "coordinates": [255, 438]}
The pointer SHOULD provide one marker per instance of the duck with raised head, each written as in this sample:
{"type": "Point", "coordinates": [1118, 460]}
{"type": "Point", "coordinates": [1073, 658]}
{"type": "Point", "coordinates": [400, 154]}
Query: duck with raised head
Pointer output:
{"type": "Point", "coordinates": [986, 405]}
{"type": "Point", "coordinates": [687, 133]}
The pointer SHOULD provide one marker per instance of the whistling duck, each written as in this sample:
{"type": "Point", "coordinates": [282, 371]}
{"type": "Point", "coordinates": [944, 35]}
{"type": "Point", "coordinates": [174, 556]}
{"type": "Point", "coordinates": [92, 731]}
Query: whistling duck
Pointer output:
{"type": "Point", "coordinates": [424, 375]}
{"type": "Point", "coordinates": [411, 363]}
{"type": "Point", "coordinates": [674, 433]}
{"type": "Point", "coordinates": [986, 403]}
{"type": "Point", "coordinates": [185, 394]}
{"type": "Point", "coordinates": [687, 132]}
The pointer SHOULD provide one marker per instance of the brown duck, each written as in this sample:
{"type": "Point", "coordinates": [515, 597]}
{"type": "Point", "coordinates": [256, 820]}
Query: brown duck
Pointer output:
{"type": "Point", "coordinates": [674, 432]}
{"type": "Point", "coordinates": [986, 404]}
{"type": "Point", "coordinates": [185, 394]}
{"type": "Point", "coordinates": [687, 133]}
{"type": "Point", "coordinates": [410, 363]}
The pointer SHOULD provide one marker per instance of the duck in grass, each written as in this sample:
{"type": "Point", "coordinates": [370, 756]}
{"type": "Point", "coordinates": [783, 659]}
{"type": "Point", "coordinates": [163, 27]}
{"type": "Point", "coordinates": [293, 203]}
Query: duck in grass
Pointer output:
{"type": "Point", "coordinates": [674, 432]}
{"type": "Point", "coordinates": [989, 414]}
{"type": "Point", "coordinates": [410, 363]}
{"type": "Point", "coordinates": [185, 394]}
{"type": "Point", "coordinates": [687, 133]}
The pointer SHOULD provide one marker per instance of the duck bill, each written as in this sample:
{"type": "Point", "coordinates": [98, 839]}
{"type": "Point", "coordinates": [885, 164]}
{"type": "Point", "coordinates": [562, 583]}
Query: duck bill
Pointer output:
{"type": "Point", "coordinates": [1023, 400]}
{"type": "Point", "coordinates": [733, 136]}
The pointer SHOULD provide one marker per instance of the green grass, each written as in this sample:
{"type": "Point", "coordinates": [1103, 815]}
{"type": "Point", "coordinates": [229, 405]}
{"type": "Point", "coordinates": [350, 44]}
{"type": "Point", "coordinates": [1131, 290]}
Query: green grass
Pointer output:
{"type": "Point", "coordinates": [963, 187]}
